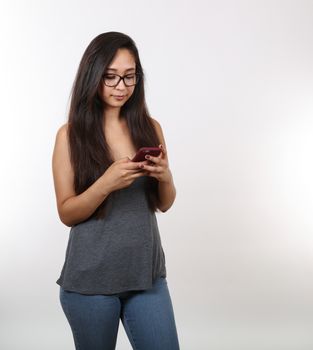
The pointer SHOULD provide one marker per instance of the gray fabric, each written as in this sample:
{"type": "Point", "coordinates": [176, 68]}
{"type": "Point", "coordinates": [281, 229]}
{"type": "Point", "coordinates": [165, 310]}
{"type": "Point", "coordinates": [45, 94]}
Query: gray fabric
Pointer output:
{"type": "Point", "coordinates": [121, 252]}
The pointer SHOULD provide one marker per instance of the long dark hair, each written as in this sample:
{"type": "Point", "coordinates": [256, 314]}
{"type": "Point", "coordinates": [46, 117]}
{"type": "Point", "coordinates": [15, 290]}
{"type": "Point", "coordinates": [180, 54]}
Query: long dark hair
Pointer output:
{"type": "Point", "coordinates": [89, 151]}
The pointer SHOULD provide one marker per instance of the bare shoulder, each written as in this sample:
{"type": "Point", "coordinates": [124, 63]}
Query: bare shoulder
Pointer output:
{"type": "Point", "coordinates": [156, 123]}
{"type": "Point", "coordinates": [61, 139]}
{"type": "Point", "coordinates": [158, 130]}
{"type": "Point", "coordinates": [63, 174]}
{"type": "Point", "coordinates": [61, 148]}
{"type": "Point", "coordinates": [62, 131]}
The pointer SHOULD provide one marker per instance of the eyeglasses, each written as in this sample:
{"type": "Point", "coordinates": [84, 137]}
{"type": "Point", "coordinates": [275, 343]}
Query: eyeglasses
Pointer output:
{"type": "Point", "coordinates": [113, 80]}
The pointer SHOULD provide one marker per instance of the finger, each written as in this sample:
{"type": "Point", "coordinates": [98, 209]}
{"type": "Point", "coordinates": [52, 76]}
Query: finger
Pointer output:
{"type": "Point", "coordinates": [135, 171]}
{"type": "Point", "coordinates": [153, 168]}
{"type": "Point", "coordinates": [139, 173]}
{"type": "Point", "coordinates": [135, 165]}
{"type": "Point", "coordinates": [163, 149]}
{"type": "Point", "coordinates": [156, 160]}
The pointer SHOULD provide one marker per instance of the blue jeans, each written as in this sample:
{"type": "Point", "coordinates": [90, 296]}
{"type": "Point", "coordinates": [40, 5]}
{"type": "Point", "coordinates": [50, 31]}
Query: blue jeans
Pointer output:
{"type": "Point", "coordinates": [147, 317]}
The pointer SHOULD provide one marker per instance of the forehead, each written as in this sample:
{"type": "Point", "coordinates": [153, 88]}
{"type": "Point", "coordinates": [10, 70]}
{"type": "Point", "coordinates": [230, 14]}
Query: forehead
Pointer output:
{"type": "Point", "coordinates": [122, 61]}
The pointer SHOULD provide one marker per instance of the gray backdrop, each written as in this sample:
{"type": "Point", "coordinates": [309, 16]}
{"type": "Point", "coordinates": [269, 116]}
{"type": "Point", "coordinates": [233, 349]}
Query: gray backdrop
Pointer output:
{"type": "Point", "coordinates": [231, 84]}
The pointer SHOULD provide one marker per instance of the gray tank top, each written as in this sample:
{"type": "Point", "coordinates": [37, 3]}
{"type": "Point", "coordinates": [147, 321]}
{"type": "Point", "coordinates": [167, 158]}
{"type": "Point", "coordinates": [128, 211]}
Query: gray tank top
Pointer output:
{"type": "Point", "coordinates": [121, 252]}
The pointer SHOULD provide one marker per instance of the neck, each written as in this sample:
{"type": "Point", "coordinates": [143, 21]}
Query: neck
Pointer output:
{"type": "Point", "coordinates": [112, 116]}
{"type": "Point", "coordinates": [112, 120]}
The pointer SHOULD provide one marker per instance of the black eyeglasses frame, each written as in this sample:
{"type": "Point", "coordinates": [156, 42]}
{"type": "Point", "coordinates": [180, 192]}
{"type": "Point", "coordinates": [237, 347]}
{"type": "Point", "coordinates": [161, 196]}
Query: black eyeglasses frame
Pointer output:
{"type": "Point", "coordinates": [138, 77]}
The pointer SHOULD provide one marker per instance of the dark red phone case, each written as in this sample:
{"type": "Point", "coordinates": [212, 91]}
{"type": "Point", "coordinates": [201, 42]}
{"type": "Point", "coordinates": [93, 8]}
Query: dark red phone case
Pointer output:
{"type": "Point", "coordinates": [143, 151]}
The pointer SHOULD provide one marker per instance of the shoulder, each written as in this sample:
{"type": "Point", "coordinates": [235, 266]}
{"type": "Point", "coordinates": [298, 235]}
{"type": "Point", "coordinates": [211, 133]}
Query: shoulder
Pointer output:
{"type": "Point", "coordinates": [157, 127]}
{"type": "Point", "coordinates": [61, 145]}
{"type": "Point", "coordinates": [155, 123]}
{"type": "Point", "coordinates": [159, 131]}
{"type": "Point", "coordinates": [62, 131]}
{"type": "Point", "coordinates": [62, 135]}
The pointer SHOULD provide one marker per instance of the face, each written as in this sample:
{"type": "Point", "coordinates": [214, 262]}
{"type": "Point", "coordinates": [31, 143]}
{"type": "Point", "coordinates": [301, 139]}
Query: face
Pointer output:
{"type": "Point", "coordinates": [122, 64]}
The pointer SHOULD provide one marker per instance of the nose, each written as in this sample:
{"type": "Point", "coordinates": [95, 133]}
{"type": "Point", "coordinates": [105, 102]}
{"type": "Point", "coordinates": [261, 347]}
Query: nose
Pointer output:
{"type": "Point", "coordinates": [119, 86]}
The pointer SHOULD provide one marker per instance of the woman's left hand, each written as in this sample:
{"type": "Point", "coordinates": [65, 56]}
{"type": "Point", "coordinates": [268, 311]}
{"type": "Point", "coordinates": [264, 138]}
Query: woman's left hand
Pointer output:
{"type": "Point", "coordinates": [159, 169]}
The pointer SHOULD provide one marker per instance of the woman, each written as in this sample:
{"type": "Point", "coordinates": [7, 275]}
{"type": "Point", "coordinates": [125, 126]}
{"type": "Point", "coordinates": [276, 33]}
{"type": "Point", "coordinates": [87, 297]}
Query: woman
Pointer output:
{"type": "Point", "coordinates": [114, 263]}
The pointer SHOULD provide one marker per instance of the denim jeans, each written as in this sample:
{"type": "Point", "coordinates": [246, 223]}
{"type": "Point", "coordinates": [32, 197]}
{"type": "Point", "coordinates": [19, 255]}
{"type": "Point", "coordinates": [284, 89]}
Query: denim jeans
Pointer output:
{"type": "Point", "coordinates": [147, 317]}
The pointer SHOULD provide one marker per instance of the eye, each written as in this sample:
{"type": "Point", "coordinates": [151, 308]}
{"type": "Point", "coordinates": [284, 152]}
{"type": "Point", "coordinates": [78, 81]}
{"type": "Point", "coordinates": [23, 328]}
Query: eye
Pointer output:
{"type": "Point", "coordinates": [110, 76]}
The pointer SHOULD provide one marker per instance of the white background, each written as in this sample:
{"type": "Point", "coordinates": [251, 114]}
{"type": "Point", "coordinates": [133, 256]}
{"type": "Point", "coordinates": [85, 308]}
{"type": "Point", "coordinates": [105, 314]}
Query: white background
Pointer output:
{"type": "Point", "coordinates": [231, 83]}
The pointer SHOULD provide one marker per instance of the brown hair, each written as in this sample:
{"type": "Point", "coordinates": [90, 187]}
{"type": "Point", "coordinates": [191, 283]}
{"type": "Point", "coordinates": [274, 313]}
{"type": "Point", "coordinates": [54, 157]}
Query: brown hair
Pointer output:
{"type": "Point", "coordinates": [89, 151]}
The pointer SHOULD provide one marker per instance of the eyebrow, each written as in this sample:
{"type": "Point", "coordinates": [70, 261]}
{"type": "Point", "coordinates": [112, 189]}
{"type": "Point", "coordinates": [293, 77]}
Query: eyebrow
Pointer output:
{"type": "Point", "coordinates": [125, 70]}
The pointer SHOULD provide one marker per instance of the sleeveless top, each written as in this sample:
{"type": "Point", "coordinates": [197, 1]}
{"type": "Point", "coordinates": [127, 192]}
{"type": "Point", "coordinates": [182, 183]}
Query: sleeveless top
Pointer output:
{"type": "Point", "coordinates": [118, 253]}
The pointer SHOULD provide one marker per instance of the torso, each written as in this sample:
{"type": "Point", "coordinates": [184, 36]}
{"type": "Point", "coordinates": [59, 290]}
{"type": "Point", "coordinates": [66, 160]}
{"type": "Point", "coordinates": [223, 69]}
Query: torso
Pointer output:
{"type": "Point", "coordinates": [119, 140]}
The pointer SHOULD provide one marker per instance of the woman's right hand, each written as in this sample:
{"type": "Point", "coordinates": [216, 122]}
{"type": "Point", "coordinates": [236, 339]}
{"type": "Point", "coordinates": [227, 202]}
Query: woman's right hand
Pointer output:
{"type": "Point", "coordinates": [122, 173]}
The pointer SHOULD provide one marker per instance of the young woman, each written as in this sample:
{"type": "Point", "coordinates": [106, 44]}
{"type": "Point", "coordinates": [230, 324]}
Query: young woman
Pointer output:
{"type": "Point", "coordinates": [114, 263]}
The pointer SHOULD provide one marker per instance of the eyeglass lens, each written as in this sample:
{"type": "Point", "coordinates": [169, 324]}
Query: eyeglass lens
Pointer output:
{"type": "Point", "coordinates": [113, 79]}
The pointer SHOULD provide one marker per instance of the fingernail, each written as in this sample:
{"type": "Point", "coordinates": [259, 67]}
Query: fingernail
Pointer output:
{"type": "Point", "coordinates": [147, 156]}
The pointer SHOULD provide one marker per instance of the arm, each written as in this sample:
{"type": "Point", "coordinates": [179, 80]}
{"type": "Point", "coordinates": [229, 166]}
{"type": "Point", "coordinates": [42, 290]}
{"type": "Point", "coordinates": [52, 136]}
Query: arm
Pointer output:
{"type": "Point", "coordinates": [167, 194]}
{"type": "Point", "coordinates": [73, 208]}
{"type": "Point", "coordinates": [167, 190]}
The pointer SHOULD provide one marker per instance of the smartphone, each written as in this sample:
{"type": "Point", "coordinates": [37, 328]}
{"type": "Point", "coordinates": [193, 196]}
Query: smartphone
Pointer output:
{"type": "Point", "coordinates": [143, 151]}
